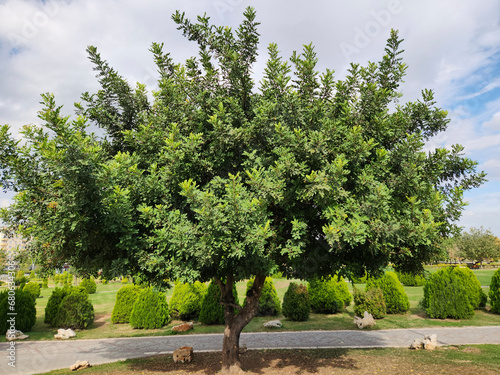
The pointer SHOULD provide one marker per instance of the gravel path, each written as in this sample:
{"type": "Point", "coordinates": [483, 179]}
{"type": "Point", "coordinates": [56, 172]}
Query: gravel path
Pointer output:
{"type": "Point", "coordinates": [34, 357]}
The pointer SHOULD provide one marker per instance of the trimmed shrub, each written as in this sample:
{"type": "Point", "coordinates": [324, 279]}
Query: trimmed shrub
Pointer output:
{"type": "Point", "coordinates": [395, 297]}
{"type": "Point", "coordinates": [186, 300]}
{"type": "Point", "coordinates": [52, 309]}
{"type": "Point", "coordinates": [328, 296]}
{"type": "Point", "coordinates": [296, 304]}
{"type": "Point", "coordinates": [53, 304]}
{"type": "Point", "coordinates": [22, 304]}
{"type": "Point", "coordinates": [410, 279]}
{"type": "Point", "coordinates": [33, 289]}
{"type": "Point", "coordinates": [495, 292]}
{"type": "Point", "coordinates": [20, 281]}
{"type": "Point", "coordinates": [447, 295]}
{"type": "Point", "coordinates": [125, 299]}
{"type": "Point", "coordinates": [124, 280]}
{"type": "Point", "coordinates": [75, 311]}
{"type": "Point", "coordinates": [474, 289]}
{"type": "Point", "coordinates": [371, 301]}
{"type": "Point", "coordinates": [69, 279]}
{"type": "Point", "coordinates": [89, 284]}
{"type": "Point", "coordinates": [269, 303]}
{"type": "Point", "coordinates": [45, 283]}
{"type": "Point", "coordinates": [150, 310]}
{"type": "Point", "coordinates": [212, 312]}
{"type": "Point", "coordinates": [32, 274]}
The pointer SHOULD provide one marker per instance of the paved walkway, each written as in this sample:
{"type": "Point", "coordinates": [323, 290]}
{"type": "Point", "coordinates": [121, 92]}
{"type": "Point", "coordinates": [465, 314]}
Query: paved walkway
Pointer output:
{"type": "Point", "coordinates": [34, 357]}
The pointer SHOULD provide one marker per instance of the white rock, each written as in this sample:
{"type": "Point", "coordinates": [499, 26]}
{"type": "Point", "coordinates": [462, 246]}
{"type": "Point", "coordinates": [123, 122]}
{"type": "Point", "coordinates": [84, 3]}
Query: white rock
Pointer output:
{"type": "Point", "coordinates": [12, 335]}
{"type": "Point", "coordinates": [366, 321]}
{"type": "Point", "coordinates": [273, 324]}
{"type": "Point", "coordinates": [429, 342]}
{"type": "Point", "coordinates": [64, 334]}
{"type": "Point", "coordinates": [80, 365]}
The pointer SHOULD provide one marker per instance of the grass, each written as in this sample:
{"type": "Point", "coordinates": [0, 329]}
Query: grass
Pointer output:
{"type": "Point", "coordinates": [466, 360]}
{"type": "Point", "coordinates": [104, 300]}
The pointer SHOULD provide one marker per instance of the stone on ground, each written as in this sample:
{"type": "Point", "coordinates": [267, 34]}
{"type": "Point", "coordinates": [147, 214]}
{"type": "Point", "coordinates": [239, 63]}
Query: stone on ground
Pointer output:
{"type": "Point", "coordinates": [366, 321]}
{"type": "Point", "coordinates": [80, 365]}
{"type": "Point", "coordinates": [183, 327]}
{"type": "Point", "coordinates": [183, 354]}
{"type": "Point", "coordinates": [273, 324]}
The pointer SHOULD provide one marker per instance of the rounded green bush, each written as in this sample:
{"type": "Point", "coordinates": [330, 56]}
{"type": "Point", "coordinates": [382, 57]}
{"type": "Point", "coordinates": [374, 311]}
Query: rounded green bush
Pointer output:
{"type": "Point", "coordinates": [125, 299]}
{"type": "Point", "coordinates": [75, 311]}
{"type": "Point", "coordinates": [124, 280]}
{"type": "Point", "coordinates": [269, 303]}
{"type": "Point", "coordinates": [33, 289]}
{"type": "Point", "coordinates": [495, 292]}
{"type": "Point", "coordinates": [53, 303]}
{"type": "Point", "coordinates": [328, 295]}
{"type": "Point", "coordinates": [371, 301]}
{"type": "Point", "coordinates": [448, 295]}
{"type": "Point", "coordinates": [296, 304]}
{"type": "Point", "coordinates": [150, 310]}
{"type": "Point", "coordinates": [212, 312]}
{"type": "Point", "coordinates": [89, 284]}
{"type": "Point", "coordinates": [45, 283]}
{"type": "Point", "coordinates": [22, 304]}
{"type": "Point", "coordinates": [411, 279]}
{"type": "Point", "coordinates": [396, 299]}
{"type": "Point", "coordinates": [186, 300]}
{"type": "Point", "coordinates": [55, 300]}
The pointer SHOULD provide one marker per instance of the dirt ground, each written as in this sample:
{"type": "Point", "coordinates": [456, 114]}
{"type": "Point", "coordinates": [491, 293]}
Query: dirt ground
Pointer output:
{"type": "Point", "coordinates": [306, 362]}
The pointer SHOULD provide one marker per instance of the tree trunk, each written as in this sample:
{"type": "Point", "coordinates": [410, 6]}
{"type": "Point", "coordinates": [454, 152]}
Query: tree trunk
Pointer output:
{"type": "Point", "coordinates": [236, 321]}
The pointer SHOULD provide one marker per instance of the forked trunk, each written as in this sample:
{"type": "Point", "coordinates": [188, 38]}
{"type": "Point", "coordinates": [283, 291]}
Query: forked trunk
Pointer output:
{"type": "Point", "coordinates": [236, 319]}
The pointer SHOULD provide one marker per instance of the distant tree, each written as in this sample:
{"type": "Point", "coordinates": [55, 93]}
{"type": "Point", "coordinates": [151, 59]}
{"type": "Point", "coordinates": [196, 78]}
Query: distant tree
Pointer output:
{"type": "Point", "coordinates": [478, 244]}
{"type": "Point", "coordinates": [213, 177]}
{"type": "Point", "coordinates": [451, 249]}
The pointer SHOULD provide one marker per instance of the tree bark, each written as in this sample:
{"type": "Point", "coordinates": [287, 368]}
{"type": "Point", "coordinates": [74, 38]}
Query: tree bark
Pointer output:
{"type": "Point", "coordinates": [236, 319]}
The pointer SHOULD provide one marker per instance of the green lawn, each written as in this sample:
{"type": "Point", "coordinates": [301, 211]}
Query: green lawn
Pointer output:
{"type": "Point", "coordinates": [104, 300]}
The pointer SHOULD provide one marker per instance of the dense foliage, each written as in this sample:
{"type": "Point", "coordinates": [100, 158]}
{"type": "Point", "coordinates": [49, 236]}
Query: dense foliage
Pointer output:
{"type": "Point", "coordinates": [75, 311]}
{"type": "Point", "coordinates": [53, 304]}
{"type": "Point", "coordinates": [150, 310]}
{"type": "Point", "coordinates": [54, 312]}
{"type": "Point", "coordinates": [296, 304]}
{"type": "Point", "coordinates": [495, 292]}
{"type": "Point", "coordinates": [186, 300]}
{"type": "Point", "coordinates": [269, 303]}
{"type": "Point", "coordinates": [33, 289]}
{"type": "Point", "coordinates": [212, 311]}
{"type": "Point", "coordinates": [474, 289]}
{"type": "Point", "coordinates": [328, 295]}
{"type": "Point", "coordinates": [454, 293]}
{"type": "Point", "coordinates": [215, 176]}
{"type": "Point", "coordinates": [20, 303]}
{"type": "Point", "coordinates": [125, 299]}
{"type": "Point", "coordinates": [411, 278]}
{"type": "Point", "coordinates": [395, 297]}
{"type": "Point", "coordinates": [89, 284]}
{"type": "Point", "coordinates": [371, 301]}
{"type": "Point", "coordinates": [478, 244]}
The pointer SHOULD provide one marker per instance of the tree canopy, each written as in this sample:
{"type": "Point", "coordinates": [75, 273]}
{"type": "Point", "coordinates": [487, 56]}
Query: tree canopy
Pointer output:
{"type": "Point", "coordinates": [215, 175]}
{"type": "Point", "coordinates": [478, 244]}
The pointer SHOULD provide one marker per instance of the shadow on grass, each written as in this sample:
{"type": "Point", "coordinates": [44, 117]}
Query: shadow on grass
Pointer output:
{"type": "Point", "coordinates": [253, 361]}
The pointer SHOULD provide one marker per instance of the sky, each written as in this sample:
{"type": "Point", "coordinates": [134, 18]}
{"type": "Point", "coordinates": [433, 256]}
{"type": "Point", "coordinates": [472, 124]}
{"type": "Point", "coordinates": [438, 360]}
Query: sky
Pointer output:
{"type": "Point", "coordinates": [451, 47]}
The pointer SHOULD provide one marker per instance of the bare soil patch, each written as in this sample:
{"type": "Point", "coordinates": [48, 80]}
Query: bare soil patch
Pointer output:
{"type": "Point", "coordinates": [301, 362]}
